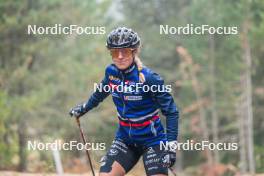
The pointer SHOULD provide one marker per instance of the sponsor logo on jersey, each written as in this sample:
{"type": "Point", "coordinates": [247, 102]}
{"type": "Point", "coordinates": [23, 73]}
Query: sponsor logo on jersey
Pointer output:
{"type": "Point", "coordinates": [150, 150]}
{"type": "Point", "coordinates": [133, 98]}
{"type": "Point", "coordinates": [112, 78]}
{"type": "Point", "coordinates": [115, 95]}
{"type": "Point", "coordinates": [113, 152]}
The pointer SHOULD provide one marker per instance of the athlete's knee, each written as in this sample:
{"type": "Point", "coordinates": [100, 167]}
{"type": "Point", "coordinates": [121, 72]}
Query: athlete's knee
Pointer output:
{"type": "Point", "coordinates": [108, 174]}
{"type": "Point", "coordinates": [114, 170]}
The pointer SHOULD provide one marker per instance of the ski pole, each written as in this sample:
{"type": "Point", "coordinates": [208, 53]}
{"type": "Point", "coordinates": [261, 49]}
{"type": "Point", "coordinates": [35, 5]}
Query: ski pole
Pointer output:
{"type": "Point", "coordinates": [84, 141]}
{"type": "Point", "coordinates": [172, 171]}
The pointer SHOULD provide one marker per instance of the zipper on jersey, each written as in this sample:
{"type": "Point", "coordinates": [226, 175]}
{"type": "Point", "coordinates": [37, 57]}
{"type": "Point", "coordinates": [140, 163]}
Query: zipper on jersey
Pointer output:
{"type": "Point", "coordinates": [152, 127]}
{"type": "Point", "coordinates": [129, 132]}
{"type": "Point", "coordinates": [124, 106]}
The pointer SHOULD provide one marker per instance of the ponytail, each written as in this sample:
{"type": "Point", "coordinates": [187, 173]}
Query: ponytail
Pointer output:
{"type": "Point", "coordinates": [140, 67]}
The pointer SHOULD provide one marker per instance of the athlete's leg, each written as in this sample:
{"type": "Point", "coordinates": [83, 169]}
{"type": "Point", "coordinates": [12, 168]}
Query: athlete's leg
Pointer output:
{"type": "Point", "coordinates": [119, 159]}
{"type": "Point", "coordinates": [117, 170]}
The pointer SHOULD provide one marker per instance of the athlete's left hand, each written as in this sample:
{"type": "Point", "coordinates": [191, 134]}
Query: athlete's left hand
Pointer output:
{"type": "Point", "coordinates": [169, 159]}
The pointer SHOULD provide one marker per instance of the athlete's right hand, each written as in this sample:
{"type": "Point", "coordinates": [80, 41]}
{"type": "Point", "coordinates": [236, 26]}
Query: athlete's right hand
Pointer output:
{"type": "Point", "coordinates": [78, 111]}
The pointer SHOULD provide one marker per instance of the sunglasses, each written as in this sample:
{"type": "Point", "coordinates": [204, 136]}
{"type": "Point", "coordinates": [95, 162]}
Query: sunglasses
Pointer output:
{"type": "Point", "coordinates": [124, 51]}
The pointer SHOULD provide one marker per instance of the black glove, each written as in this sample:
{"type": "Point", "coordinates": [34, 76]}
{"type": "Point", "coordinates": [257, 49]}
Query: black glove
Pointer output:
{"type": "Point", "coordinates": [78, 111]}
{"type": "Point", "coordinates": [169, 159]}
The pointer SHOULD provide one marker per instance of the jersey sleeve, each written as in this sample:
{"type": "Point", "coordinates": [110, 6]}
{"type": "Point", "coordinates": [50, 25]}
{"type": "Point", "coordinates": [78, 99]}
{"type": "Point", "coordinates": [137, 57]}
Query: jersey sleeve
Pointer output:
{"type": "Point", "coordinates": [98, 96]}
{"type": "Point", "coordinates": [167, 106]}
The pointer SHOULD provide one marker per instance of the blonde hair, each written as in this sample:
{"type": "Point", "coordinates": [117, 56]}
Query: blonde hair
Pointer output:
{"type": "Point", "coordinates": [140, 68]}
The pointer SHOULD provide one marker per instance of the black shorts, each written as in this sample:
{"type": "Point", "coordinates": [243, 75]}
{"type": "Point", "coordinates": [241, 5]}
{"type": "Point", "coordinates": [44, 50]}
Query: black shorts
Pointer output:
{"type": "Point", "coordinates": [128, 155]}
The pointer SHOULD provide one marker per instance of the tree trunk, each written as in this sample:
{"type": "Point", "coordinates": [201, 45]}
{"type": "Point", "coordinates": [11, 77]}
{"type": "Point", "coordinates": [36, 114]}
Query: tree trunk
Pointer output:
{"type": "Point", "coordinates": [198, 93]}
{"type": "Point", "coordinates": [213, 96]}
{"type": "Point", "coordinates": [22, 146]}
{"type": "Point", "coordinates": [242, 133]}
{"type": "Point", "coordinates": [248, 94]}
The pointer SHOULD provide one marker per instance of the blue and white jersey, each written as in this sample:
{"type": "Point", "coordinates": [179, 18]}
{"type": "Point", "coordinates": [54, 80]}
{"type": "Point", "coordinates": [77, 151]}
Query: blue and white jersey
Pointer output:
{"type": "Point", "coordinates": [138, 106]}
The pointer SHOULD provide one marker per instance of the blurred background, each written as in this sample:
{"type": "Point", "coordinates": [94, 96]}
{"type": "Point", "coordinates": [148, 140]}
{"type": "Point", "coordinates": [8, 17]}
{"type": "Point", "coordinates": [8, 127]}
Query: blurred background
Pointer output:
{"type": "Point", "coordinates": [217, 80]}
